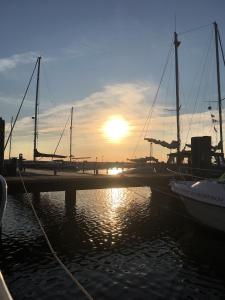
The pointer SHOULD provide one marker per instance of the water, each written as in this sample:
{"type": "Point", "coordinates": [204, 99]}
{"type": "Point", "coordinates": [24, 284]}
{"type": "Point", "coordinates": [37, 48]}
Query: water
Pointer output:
{"type": "Point", "coordinates": [120, 244]}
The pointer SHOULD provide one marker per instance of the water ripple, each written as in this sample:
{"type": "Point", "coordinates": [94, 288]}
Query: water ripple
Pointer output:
{"type": "Point", "coordinates": [119, 244]}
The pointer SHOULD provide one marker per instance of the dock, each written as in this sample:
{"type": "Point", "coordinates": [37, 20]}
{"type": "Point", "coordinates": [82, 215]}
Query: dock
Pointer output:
{"type": "Point", "coordinates": [70, 184]}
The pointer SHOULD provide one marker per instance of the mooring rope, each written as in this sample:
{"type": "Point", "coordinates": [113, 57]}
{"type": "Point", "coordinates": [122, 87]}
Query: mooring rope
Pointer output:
{"type": "Point", "coordinates": [53, 252]}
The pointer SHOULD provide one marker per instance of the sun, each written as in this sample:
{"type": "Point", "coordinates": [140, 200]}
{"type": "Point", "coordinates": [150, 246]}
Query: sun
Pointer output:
{"type": "Point", "coordinates": [115, 129]}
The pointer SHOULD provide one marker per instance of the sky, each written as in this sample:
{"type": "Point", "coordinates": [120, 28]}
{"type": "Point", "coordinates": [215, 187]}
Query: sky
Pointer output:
{"type": "Point", "coordinates": [106, 58]}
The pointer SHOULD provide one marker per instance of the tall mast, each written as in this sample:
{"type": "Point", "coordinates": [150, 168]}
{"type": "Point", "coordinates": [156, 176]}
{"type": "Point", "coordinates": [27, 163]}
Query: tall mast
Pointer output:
{"type": "Point", "coordinates": [36, 109]}
{"type": "Point", "coordinates": [176, 45]}
{"type": "Point", "coordinates": [218, 86]}
{"type": "Point", "coordinates": [71, 133]}
{"type": "Point", "coordinates": [10, 140]}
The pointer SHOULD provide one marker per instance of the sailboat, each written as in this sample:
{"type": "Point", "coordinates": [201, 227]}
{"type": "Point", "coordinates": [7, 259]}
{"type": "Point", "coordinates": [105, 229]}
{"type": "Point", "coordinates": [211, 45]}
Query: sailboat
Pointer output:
{"type": "Point", "coordinates": [204, 200]}
{"type": "Point", "coordinates": [174, 144]}
{"type": "Point", "coordinates": [71, 156]}
{"type": "Point", "coordinates": [36, 153]}
{"type": "Point", "coordinates": [201, 152]}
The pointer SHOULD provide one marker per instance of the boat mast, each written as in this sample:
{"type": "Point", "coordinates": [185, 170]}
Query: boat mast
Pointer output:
{"type": "Point", "coordinates": [176, 45]}
{"type": "Point", "coordinates": [71, 133]}
{"type": "Point", "coordinates": [36, 109]}
{"type": "Point", "coordinates": [10, 140]}
{"type": "Point", "coordinates": [218, 86]}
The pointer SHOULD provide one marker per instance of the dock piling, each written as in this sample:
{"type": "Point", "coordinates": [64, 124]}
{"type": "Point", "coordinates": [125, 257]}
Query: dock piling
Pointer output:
{"type": "Point", "coordinates": [70, 196]}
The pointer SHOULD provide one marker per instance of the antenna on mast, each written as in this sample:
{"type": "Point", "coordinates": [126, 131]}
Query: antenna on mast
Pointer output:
{"type": "Point", "coordinates": [175, 22]}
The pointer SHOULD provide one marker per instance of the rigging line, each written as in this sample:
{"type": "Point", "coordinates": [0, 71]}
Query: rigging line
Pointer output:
{"type": "Point", "coordinates": [221, 47]}
{"type": "Point", "coordinates": [21, 104]}
{"type": "Point", "coordinates": [151, 108]}
{"type": "Point", "coordinates": [195, 29]}
{"type": "Point", "coordinates": [186, 174]}
{"type": "Point", "coordinates": [46, 81]}
{"type": "Point", "coordinates": [72, 277]}
{"type": "Point", "coordinates": [183, 97]}
{"type": "Point", "coordinates": [201, 169]}
{"type": "Point", "coordinates": [167, 95]}
{"type": "Point", "coordinates": [8, 129]}
{"type": "Point", "coordinates": [157, 92]}
{"type": "Point", "coordinates": [198, 91]}
{"type": "Point", "coordinates": [203, 70]}
{"type": "Point", "coordinates": [61, 134]}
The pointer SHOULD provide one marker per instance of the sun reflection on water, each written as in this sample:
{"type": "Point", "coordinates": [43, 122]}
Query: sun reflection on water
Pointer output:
{"type": "Point", "coordinates": [116, 200]}
{"type": "Point", "coordinates": [117, 197]}
{"type": "Point", "coordinates": [115, 171]}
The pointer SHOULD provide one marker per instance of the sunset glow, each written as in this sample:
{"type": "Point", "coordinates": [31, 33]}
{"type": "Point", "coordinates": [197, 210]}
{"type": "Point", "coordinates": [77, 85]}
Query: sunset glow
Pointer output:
{"type": "Point", "coordinates": [116, 129]}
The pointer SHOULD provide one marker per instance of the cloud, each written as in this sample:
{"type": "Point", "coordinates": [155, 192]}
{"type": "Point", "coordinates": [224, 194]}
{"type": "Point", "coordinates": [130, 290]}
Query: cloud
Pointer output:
{"type": "Point", "coordinates": [15, 60]}
{"type": "Point", "coordinates": [84, 49]}
{"type": "Point", "coordinates": [131, 101]}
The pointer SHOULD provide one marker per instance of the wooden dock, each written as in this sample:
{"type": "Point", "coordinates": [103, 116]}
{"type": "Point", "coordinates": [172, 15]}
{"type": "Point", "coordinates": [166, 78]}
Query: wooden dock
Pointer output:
{"type": "Point", "coordinates": [69, 184]}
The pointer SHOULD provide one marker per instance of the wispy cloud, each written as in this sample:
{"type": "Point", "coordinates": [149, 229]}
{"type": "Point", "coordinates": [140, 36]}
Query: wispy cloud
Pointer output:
{"type": "Point", "coordinates": [15, 60]}
{"type": "Point", "coordinates": [84, 49]}
{"type": "Point", "coordinates": [129, 100]}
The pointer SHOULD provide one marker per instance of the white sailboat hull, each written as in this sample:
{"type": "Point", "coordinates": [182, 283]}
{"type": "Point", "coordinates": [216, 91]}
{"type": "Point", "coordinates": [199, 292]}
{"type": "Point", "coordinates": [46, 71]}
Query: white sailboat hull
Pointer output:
{"type": "Point", "coordinates": [204, 201]}
{"type": "Point", "coordinates": [207, 214]}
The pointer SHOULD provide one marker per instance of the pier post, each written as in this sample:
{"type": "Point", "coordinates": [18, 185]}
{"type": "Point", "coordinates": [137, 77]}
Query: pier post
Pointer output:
{"type": "Point", "coordinates": [2, 142]}
{"type": "Point", "coordinates": [70, 196]}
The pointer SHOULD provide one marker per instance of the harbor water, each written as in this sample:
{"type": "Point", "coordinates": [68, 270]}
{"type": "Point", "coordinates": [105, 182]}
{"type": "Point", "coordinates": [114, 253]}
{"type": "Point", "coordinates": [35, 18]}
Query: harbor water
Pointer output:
{"type": "Point", "coordinates": [120, 243]}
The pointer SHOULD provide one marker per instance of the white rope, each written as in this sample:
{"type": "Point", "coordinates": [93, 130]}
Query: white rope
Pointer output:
{"type": "Point", "coordinates": [72, 277]}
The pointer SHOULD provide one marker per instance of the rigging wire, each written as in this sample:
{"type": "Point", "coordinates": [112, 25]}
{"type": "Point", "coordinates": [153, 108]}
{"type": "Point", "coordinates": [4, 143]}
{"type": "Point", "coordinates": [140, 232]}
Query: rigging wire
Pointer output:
{"type": "Point", "coordinates": [46, 81]}
{"type": "Point", "coordinates": [215, 110]}
{"type": "Point", "coordinates": [198, 90]}
{"type": "Point", "coordinates": [194, 29]}
{"type": "Point", "coordinates": [223, 56]}
{"type": "Point", "coordinates": [167, 95]}
{"type": "Point", "coordinates": [8, 129]}
{"type": "Point", "coordinates": [221, 47]}
{"type": "Point", "coordinates": [150, 112]}
{"type": "Point", "coordinates": [61, 134]}
{"type": "Point", "coordinates": [21, 104]}
{"type": "Point", "coordinates": [157, 92]}
{"type": "Point", "coordinates": [53, 252]}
